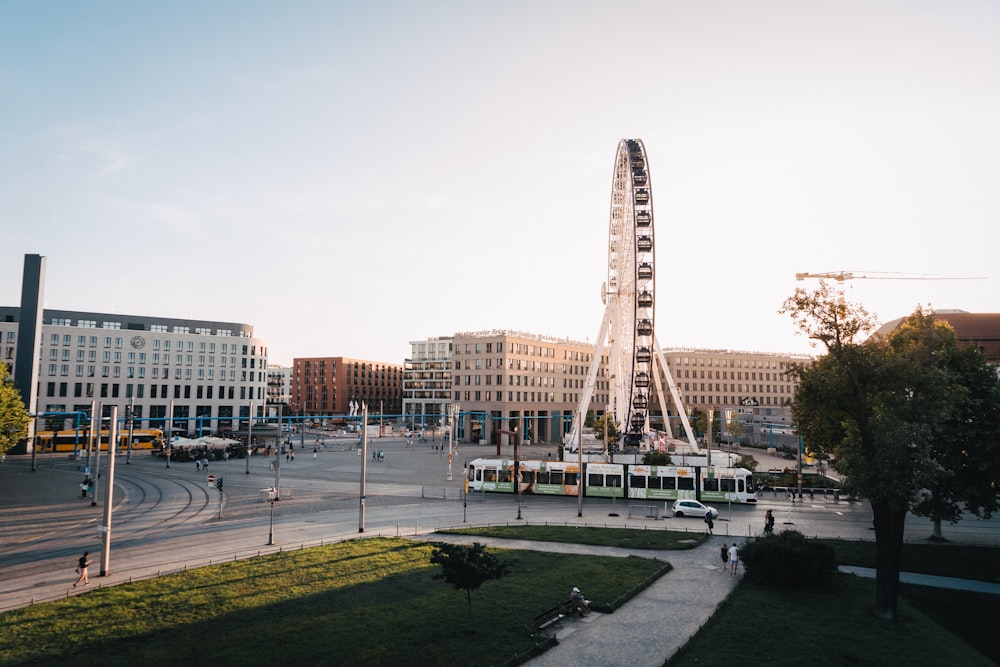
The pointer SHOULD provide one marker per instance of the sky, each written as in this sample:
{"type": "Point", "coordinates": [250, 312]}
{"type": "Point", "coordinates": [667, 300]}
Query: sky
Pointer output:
{"type": "Point", "coordinates": [349, 177]}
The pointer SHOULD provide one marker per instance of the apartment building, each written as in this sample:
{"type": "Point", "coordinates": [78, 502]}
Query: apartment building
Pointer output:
{"type": "Point", "coordinates": [328, 386]}
{"type": "Point", "coordinates": [506, 381]}
{"type": "Point", "coordinates": [279, 387]}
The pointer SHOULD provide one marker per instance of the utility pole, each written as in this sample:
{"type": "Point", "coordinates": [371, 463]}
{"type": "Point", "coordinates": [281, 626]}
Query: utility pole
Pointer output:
{"type": "Point", "coordinates": [249, 437]}
{"type": "Point", "coordinates": [97, 453]}
{"type": "Point", "coordinates": [131, 422]}
{"type": "Point", "coordinates": [364, 466]}
{"type": "Point", "coordinates": [109, 496]}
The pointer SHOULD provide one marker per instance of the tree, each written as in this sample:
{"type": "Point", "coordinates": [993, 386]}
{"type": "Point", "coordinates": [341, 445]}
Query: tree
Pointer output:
{"type": "Point", "coordinates": [736, 429]}
{"type": "Point", "coordinates": [613, 435]}
{"type": "Point", "coordinates": [14, 417]}
{"type": "Point", "coordinates": [467, 568]}
{"type": "Point", "coordinates": [747, 461]}
{"type": "Point", "coordinates": [880, 408]}
{"type": "Point", "coordinates": [965, 443]}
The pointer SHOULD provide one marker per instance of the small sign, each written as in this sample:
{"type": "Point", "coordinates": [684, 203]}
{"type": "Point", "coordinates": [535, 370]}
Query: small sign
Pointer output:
{"type": "Point", "coordinates": [211, 479]}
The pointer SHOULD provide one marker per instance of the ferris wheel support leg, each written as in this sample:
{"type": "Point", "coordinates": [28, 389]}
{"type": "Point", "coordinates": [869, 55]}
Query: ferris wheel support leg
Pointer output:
{"type": "Point", "coordinates": [577, 425]}
{"type": "Point", "coordinates": [673, 393]}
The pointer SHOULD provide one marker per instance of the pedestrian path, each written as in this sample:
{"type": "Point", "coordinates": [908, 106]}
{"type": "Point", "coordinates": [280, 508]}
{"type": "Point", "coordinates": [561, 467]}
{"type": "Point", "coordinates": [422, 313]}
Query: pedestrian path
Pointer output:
{"type": "Point", "coordinates": [650, 627]}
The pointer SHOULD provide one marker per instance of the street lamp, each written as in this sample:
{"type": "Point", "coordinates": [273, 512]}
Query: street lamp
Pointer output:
{"type": "Point", "coordinates": [270, 528]}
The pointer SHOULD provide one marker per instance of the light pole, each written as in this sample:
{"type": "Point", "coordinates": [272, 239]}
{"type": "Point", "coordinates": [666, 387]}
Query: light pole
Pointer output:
{"type": "Point", "coordinates": [249, 436]}
{"type": "Point", "coordinates": [270, 527]}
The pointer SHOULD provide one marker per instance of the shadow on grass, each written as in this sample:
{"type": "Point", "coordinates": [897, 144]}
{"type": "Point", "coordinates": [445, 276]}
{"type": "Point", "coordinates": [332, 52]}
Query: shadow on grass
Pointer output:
{"type": "Point", "coordinates": [371, 602]}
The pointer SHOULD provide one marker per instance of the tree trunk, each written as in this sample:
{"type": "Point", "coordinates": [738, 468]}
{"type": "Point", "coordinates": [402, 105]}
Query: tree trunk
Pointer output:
{"type": "Point", "coordinates": [936, 535]}
{"type": "Point", "coordinates": [889, 524]}
{"type": "Point", "coordinates": [468, 600]}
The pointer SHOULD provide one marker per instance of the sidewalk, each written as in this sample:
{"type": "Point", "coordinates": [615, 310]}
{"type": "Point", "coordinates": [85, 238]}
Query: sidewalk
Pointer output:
{"type": "Point", "coordinates": [650, 627]}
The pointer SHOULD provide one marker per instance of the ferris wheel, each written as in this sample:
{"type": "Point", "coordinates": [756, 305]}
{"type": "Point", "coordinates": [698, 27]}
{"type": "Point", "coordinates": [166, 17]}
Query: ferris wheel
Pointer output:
{"type": "Point", "coordinates": [628, 295]}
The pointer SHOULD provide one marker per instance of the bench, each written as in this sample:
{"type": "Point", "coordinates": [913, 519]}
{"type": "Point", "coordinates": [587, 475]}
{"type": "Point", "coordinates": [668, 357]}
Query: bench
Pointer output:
{"type": "Point", "coordinates": [550, 617]}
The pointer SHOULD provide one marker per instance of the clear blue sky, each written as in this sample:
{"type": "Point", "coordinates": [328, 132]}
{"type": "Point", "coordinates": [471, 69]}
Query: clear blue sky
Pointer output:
{"type": "Point", "coordinates": [351, 176]}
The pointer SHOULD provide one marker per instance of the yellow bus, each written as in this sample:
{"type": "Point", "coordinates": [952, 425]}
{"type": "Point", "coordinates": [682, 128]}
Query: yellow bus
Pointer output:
{"type": "Point", "coordinates": [72, 440]}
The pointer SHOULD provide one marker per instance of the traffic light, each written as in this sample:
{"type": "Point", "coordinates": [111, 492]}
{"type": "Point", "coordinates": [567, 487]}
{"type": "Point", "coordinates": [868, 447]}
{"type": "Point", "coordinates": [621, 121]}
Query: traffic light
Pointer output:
{"type": "Point", "coordinates": [218, 483]}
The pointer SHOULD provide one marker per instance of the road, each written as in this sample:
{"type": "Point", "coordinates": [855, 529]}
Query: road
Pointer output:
{"type": "Point", "coordinates": [168, 519]}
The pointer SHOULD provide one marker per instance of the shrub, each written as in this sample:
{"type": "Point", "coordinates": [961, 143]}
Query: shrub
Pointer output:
{"type": "Point", "coordinates": [788, 560]}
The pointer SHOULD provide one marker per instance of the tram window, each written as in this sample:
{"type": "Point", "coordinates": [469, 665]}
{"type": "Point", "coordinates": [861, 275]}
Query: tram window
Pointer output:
{"type": "Point", "coordinates": [571, 478]}
{"type": "Point", "coordinates": [614, 481]}
{"type": "Point", "coordinates": [555, 477]}
{"type": "Point", "coordinates": [668, 483]}
{"type": "Point", "coordinates": [489, 475]}
{"type": "Point", "coordinates": [729, 485]}
{"type": "Point", "coordinates": [711, 484]}
{"type": "Point", "coordinates": [472, 474]}
{"type": "Point", "coordinates": [543, 477]}
{"type": "Point", "coordinates": [685, 483]}
{"type": "Point", "coordinates": [504, 475]}
{"type": "Point", "coordinates": [653, 482]}
{"type": "Point", "coordinates": [527, 476]}
{"type": "Point", "coordinates": [637, 482]}
{"type": "Point", "coordinates": [595, 480]}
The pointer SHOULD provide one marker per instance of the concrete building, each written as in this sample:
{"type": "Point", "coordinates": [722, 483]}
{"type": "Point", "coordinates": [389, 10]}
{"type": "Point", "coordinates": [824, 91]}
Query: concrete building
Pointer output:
{"type": "Point", "coordinates": [754, 387]}
{"type": "Point", "coordinates": [208, 371]}
{"type": "Point", "coordinates": [327, 386]}
{"type": "Point", "coordinates": [279, 388]}
{"type": "Point", "coordinates": [500, 382]}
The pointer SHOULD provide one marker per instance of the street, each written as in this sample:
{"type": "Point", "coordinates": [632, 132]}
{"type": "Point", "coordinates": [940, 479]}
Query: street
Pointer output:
{"type": "Point", "coordinates": [168, 519]}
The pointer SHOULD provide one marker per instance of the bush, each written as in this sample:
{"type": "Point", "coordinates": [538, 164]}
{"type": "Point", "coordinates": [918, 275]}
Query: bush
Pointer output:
{"type": "Point", "coordinates": [788, 560]}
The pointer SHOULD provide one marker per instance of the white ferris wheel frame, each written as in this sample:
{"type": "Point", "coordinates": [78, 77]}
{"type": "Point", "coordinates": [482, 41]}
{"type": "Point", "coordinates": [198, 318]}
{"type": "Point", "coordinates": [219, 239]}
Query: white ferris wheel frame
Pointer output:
{"type": "Point", "coordinates": [627, 334]}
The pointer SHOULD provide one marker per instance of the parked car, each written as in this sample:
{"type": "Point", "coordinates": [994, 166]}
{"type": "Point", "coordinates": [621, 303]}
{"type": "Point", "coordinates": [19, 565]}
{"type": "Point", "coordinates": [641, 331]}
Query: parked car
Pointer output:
{"type": "Point", "coordinates": [693, 508]}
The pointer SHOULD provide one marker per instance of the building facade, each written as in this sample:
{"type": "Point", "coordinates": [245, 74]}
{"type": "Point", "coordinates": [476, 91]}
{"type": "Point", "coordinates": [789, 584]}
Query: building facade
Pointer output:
{"type": "Point", "coordinates": [752, 387]}
{"type": "Point", "coordinates": [326, 387]}
{"type": "Point", "coordinates": [427, 392]}
{"type": "Point", "coordinates": [207, 372]}
{"type": "Point", "coordinates": [505, 382]}
{"type": "Point", "coordinates": [279, 388]}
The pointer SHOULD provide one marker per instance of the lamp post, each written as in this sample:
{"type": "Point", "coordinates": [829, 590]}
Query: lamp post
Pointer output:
{"type": "Point", "coordinates": [249, 436]}
{"type": "Point", "coordinates": [270, 527]}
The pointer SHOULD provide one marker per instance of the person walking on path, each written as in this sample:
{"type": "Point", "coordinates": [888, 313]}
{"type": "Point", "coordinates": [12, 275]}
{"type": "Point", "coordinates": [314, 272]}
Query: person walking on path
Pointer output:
{"type": "Point", "coordinates": [708, 520]}
{"type": "Point", "coordinates": [724, 552]}
{"type": "Point", "coordinates": [769, 523]}
{"type": "Point", "coordinates": [734, 557]}
{"type": "Point", "coordinates": [81, 567]}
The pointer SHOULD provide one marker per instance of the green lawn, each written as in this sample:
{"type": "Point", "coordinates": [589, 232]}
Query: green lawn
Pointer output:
{"type": "Point", "coordinates": [606, 537]}
{"type": "Point", "coordinates": [828, 628]}
{"type": "Point", "coordinates": [365, 602]}
{"type": "Point", "coordinates": [375, 602]}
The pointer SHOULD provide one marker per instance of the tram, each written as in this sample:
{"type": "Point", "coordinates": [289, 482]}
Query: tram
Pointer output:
{"type": "Point", "coordinates": [613, 480]}
{"type": "Point", "coordinates": [73, 440]}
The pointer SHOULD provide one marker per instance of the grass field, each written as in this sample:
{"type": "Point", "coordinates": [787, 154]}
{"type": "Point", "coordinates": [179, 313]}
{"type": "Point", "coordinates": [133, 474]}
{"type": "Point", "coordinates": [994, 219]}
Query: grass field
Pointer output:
{"type": "Point", "coordinates": [365, 602]}
{"type": "Point", "coordinates": [375, 602]}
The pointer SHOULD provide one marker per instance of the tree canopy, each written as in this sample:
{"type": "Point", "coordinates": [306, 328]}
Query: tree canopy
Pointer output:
{"type": "Point", "coordinates": [14, 417]}
{"type": "Point", "coordinates": [467, 568]}
{"type": "Point", "coordinates": [900, 413]}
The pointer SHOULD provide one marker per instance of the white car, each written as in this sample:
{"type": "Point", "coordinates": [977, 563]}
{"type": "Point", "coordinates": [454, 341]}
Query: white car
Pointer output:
{"type": "Point", "coordinates": [693, 508]}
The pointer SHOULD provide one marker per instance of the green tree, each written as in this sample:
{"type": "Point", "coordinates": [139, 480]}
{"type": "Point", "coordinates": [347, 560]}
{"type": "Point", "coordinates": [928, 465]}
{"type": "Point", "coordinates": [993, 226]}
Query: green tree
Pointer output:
{"type": "Point", "coordinates": [736, 429]}
{"type": "Point", "coordinates": [878, 407]}
{"type": "Point", "coordinates": [613, 435]}
{"type": "Point", "coordinates": [965, 443]}
{"type": "Point", "coordinates": [467, 568]}
{"type": "Point", "coordinates": [657, 459]}
{"type": "Point", "coordinates": [14, 418]}
{"type": "Point", "coordinates": [747, 461]}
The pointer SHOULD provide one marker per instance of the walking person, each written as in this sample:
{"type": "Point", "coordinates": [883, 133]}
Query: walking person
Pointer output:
{"type": "Point", "coordinates": [81, 567]}
{"type": "Point", "coordinates": [769, 523]}
{"type": "Point", "coordinates": [724, 552]}
{"type": "Point", "coordinates": [708, 520]}
{"type": "Point", "coordinates": [734, 558]}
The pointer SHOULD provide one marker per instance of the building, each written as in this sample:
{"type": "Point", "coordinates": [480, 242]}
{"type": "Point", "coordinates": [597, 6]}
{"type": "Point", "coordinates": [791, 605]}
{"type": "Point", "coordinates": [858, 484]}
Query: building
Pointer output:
{"type": "Point", "coordinates": [427, 383]}
{"type": "Point", "coordinates": [209, 372]}
{"type": "Point", "coordinates": [980, 329]}
{"type": "Point", "coordinates": [327, 387]}
{"type": "Point", "coordinates": [279, 388]}
{"type": "Point", "coordinates": [753, 387]}
{"type": "Point", "coordinates": [501, 383]}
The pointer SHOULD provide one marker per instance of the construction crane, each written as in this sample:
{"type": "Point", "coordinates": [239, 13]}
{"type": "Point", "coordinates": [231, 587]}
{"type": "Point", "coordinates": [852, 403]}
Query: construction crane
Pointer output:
{"type": "Point", "coordinates": [841, 276]}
